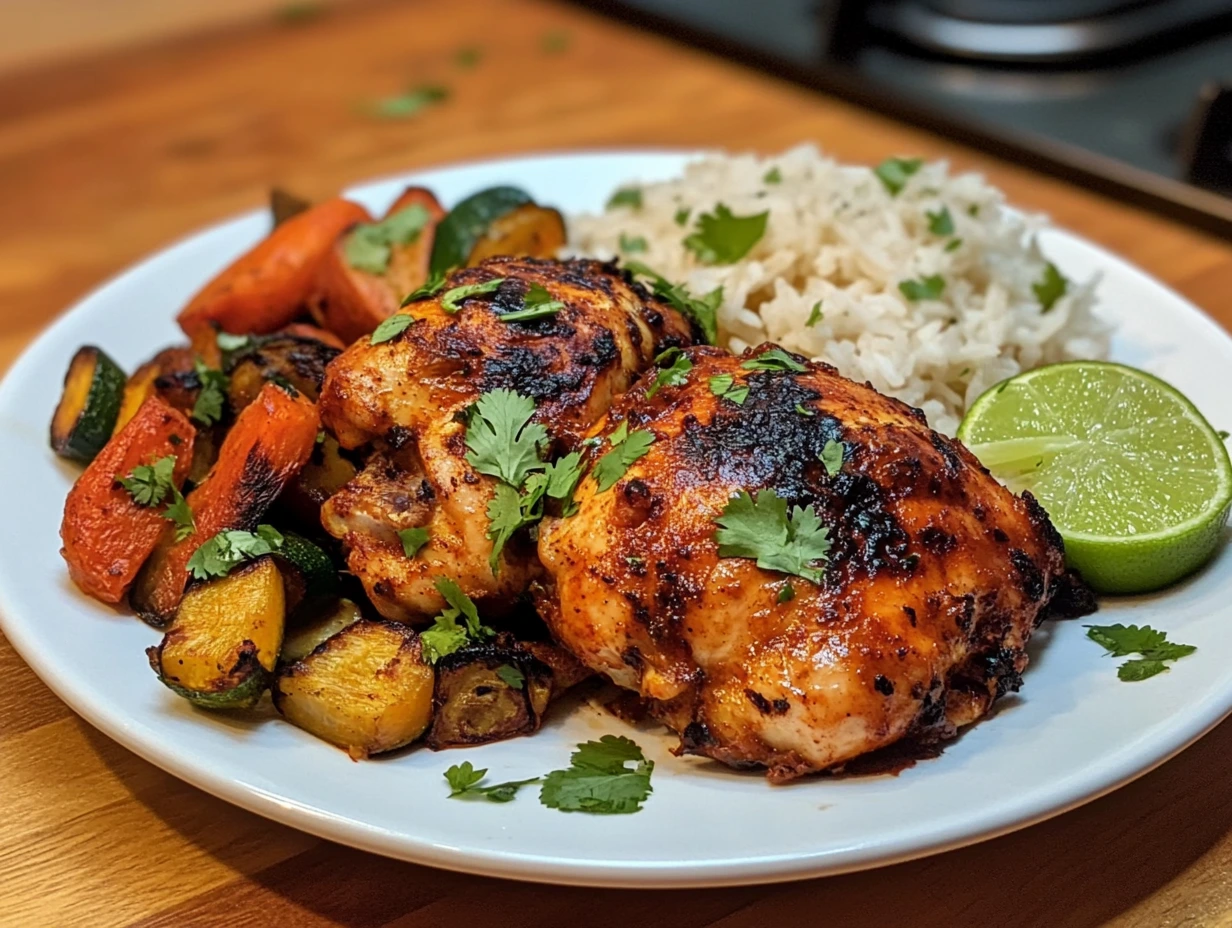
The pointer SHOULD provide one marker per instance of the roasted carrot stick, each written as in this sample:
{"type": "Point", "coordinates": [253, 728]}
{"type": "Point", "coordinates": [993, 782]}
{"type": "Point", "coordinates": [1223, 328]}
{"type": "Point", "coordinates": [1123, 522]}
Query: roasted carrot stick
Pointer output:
{"type": "Point", "coordinates": [107, 535]}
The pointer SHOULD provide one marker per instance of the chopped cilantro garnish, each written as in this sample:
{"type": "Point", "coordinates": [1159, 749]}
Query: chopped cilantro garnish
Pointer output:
{"type": "Point", "coordinates": [776, 359]}
{"type": "Point", "coordinates": [501, 439]}
{"type": "Point", "coordinates": [1050, 288]}
{"type": "Point", "coordinates": [626, 196]}
{"type": "Point", "coordinates": [760, 528]}
{"type": "Point", "coordinates": [554, 42]}
{"type": "Point", "coordinates": [370, 245]}
{"type": "Point", "coordinates": [391, 328]}
{"type": "Point", "coordinates": [209, 405]}
{"type": "Point", "coordinates": [451, 302]}
{"type": "Point", "coordinates": [220, 554]}
{"type": "Point", "coordinates": [682, 216]}
{"type": "Point", "coordinates": [703, 311]}
{"type": "Point", "coordinates": [894, 172]}
{"type": "Point", "coordinates": [832, 456]}
{"type": "Point", "coordinates": [537, 304]}
{"type": "Point", "coordinates": [674, 375]}
{"type": "Point", "coordinates": [430, 287]}
{"type": "Point", "coordinates": [725, 387]}
{"type": "Point", "coordinates": [724, 238]}
{"type": "Point", "coordinates": [149, 484]}
{"type": "Point", "coordinates": [446, 635]}
{"type": "Point", "coordinates": [953, 244]}
{"type": "Point", "coordinates": [926, 288]}
{"type": "Point", "coordinates": [1153, 646]}
{"type": "Point", "coordinates": [511, 676]}
{"type": "Point", "coordinates": [179, 512]}
{"type": "Point", "coordinates": [772, 176]}
{"type": "Point", "coordinates": [630, 244]}
{"type": "Point", "coordinates": [613, 465]}
{"type": "Point", "coordinates": [940, 223]}
{"type": "Point", "coordinates": [464, 782]}
{"type": "Point", "coordinates": [467, 57]}
{"type": "Point", "coordinates": [815, 315]}
{"type": "Point", "coordinates": [413, 539]}
{"type": "Point", "coordinates": [410, 103]}
{"type": "Point", "coordinates": [599, 779]}
{"type": "Point", "coordinates": [786, 594]}
{"type": "Point", "coordinates": [229, 343]}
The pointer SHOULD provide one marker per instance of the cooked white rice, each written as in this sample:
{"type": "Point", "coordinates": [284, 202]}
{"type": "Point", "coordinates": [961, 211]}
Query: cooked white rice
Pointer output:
{"type": "Point", "coordinates": [836, 235]}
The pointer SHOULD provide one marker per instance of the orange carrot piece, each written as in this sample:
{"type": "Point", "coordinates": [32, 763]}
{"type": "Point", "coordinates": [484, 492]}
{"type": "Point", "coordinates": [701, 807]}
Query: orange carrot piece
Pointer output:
{"type": "Point", "coordinates": [107, 536]}
{"type": "Point", "coordinates": [267, 287]}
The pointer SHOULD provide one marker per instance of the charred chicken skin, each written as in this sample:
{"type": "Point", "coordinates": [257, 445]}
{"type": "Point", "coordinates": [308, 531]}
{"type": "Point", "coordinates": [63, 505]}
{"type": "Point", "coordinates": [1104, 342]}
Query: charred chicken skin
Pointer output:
{"type": "Point", "coordinates": [408, 399]}
{"type": "Point", "coordinates": [933, 581]}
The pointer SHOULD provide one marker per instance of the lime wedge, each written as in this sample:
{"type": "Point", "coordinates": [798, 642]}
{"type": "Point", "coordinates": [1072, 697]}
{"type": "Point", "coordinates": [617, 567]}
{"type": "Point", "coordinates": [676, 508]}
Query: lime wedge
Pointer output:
{"type": "Point", "coordinates": [1135, 480]}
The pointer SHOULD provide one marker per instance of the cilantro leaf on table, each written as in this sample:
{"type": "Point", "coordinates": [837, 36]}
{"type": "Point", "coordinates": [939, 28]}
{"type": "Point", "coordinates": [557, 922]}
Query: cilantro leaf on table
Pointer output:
{"type": "Point", "coordinates": [369, 245]}
{"type": "Point", "coordinates": [941, 222]}
{"type": "Point", "coordinates": [430, 287]}
{"type": "Point", "coordinates": [149, 484]}
{"type": "Point", "coordinates": [219, 555]}
{"type": "Point", "coordinates": [446, 635]}
{"type": "Point", "coordinates": [703, 311]}
{"type": "Point", "coordinates": [391, 328]}
{"type": "Point", "coordinates": [776, 359]}
{"type": "Point", "coordinates": [413, 539]}
{"type": "Point", "coordinates": [724, 386]}
{"type": "Point", "coordinates": [451, 302]}
{"type": "Point", "coordinates": [410, 103]}
{"type": "Point", "coordinates": [722, 237]}
{"type": "Point", "coordinates": [926, 288]}
{"type": "Point", "coordinates": [599, 780]}
{"type": "Point", "coordinates": [209, 405]}
{"type": "Point", "coordinates": [464, 780]}
{"type": "Point", "coordinates": [674, 375]}
{"type": "Point", "coordinates": [537, 304]}
{"type": "Point", "coordinates": [832, 456]}
{"type": "Point", "coordinates": [625, 196]}
{"type": "Point", "coordinates": [1050, 288]}
{"type": "Point", "coordinates": [760, 528]}
{"type": "Point", "coordinates": [1151, 644]}
{"type": "Point", "coordinates": [502, 440]}
{"type": "Point", "coordinates": [613, 465]}
{"type": "Point", "coordinates": [895, 172]}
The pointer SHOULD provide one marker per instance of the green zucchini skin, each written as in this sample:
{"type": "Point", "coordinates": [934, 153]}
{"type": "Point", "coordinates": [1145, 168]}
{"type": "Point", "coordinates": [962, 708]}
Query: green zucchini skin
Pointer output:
{"type": "Point", "coordinates": [466, 223]}
{"type": "Point", "coordinates": [313, 563]}
{"type": "Point", "coordinates": [254, 681]}
{"type": "Point", "coordinates": [85, 438]}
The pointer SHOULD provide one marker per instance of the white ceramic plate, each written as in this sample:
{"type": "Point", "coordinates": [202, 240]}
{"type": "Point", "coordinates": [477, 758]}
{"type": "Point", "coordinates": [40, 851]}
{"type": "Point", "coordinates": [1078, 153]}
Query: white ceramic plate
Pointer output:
{"type": "Point", "coordinates": [1074, 733]}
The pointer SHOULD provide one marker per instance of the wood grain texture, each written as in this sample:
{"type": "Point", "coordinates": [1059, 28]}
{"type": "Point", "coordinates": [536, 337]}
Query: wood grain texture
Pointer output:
{"type": "Point", "coordinates": [102, 161]}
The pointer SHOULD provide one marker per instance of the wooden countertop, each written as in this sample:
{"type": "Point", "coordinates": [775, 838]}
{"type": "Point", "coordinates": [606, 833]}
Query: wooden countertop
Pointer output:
{"type": "Point", "coordinates": [103, 160]}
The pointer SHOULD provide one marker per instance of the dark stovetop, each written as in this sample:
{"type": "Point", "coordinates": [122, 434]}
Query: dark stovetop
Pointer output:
{"type": "Point", "coordinates": [1132, 97]}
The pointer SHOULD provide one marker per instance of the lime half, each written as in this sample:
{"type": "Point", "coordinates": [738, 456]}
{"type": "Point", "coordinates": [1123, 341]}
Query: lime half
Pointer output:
{"type": "Point", "coordinates": [1136, 481]}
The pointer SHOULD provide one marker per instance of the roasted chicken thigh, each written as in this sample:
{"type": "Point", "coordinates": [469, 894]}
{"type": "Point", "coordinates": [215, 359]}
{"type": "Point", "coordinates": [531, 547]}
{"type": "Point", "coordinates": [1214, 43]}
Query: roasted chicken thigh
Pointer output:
{"type": "Point", "coordinates": [934, 578]}
{"type": "Point", "coordinates": [409, 397]}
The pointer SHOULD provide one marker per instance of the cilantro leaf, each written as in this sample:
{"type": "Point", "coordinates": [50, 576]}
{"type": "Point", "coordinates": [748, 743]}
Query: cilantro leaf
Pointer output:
{"type": "Point", "coordinates": [632, 243]}
{"type": "Point", "coordinates": [940, 223]}
{"type": "Point", "coordinates": [760, 529]}
{"type": "Point", "coordinates": [464, 779]}
{"type": "Point", "coordinates": [772, 176]}
{"type": "Point", "coordinates": [703, 311]}
{"type": "Point", "coordinates": [562, 479]}
{"type": "Point", "coordinates": [815, 315]}
{"type": "Point", "coordinates": [430, 287]}
{"type": "Point", "coordinates": [410, 103]}
{"type": "Point", "coordinates": [149, 484]}
{"type": "Point", "coordinates": [786, 594]}
{"type": "Point", "coordinates": [511, 676]}
{"type": "Point", "coordinates": [179, 512]}
{"type": "Point", "coordinates": [724, 386]}
{"type": "Point", "coordinates": [446, 635]}
{"type": "Point", "coordinates": [832, 456]}
{"type": "Point", "coordinates": [554, 42]}
{"type": "Point", "coordinates": [208, 408]}
{"type": "Point", "coordinates": [219, 555]}
{"type": "Point", "coordinates": [1050, 288]}
{"type": "Point", "coordinates": [502, 440]}
{"type": "Point", "coordinates": [926, 288]}
{"type": "Point", "coordinates": [599, 781]}
{"type": "Point", "coordinates": [1152, 645]}
{"type": "Point", "coordinates": [506, 514]}
{"type": "Point", "coordinates": [682, 216]}
{"type": "Point", "coordinates": [468, 57]}
{"type": "Point", "coordinates": [413, 539]}
{"type": "Point", "coordinates": [451, 301]}
{"type": "Point", "coordinates": [953, 244]}
{"type": "Point", "coordinates": [626, 196]}
{"type": "Point", "coordinates": [229, 343]}
{"type": "Point", "coordinates": [672, 376]}
{"type": "Point", "coordinates": [391, 328]}
{"type": "Point", "coordinates": [894, 173]}
{"type": "Point", "coordinates": [369, 245]}
{"type": "Point", "coordinates": [537, 304]}
{"type": "Point", "coordinates": [804, 410]}
{"type": "Point", "coordinates": [613, 465]}
{"type": "Point", "coordinates": [724, 238]}
{"type": "Point", "coordinates": [619, 434]}
{"type": "Point", "coordinates": [776, 359]}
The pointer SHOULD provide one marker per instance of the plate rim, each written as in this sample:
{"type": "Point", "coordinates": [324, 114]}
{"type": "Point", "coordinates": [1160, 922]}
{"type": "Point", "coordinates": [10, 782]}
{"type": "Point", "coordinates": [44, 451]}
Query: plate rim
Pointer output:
{"type": "Point", "coordinates": [1091, 783]}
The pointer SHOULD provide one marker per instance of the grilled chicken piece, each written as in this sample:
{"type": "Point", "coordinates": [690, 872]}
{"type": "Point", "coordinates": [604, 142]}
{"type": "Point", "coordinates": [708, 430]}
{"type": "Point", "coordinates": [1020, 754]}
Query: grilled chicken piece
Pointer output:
{"type": "Point", "coordinates": [935, 580]}
{"type": "Point", "coordinates": [407, 397]}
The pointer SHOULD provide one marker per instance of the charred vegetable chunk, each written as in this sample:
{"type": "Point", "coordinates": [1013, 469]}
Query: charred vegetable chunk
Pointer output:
{"type": "Point", "coordinates": [308, 571]}
{"type": "Point", "coordinates": [326, 472]}
{"type": "Point", "coordinates": [288, 360]}
{"type": "Point", "coordinates": [89, 405]}
{"type": "Point", "coordinates": [366, 689]}
{"type": "Point", "coordinates": [488, 693]}
{"type": "Point", "coordinates": [224, 642]}
{"type": "Point", "coordinates": [529, 231]}
{"type": "Point", "coordinates": [170, 374]}
{"type": "Point", "coordinates": [325, 621]}
{"type": "Point", "coordinates": [468, 222]}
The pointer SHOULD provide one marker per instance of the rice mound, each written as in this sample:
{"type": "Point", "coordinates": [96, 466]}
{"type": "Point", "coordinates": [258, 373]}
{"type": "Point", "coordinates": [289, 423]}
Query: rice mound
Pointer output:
{"type": "Point", "coordinates": [837, 235]}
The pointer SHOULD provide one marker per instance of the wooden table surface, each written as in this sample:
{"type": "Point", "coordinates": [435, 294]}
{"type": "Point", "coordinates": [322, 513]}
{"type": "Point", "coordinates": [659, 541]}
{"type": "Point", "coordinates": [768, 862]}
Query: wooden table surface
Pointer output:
{"type": "Point", "coordinates": [103, 160]}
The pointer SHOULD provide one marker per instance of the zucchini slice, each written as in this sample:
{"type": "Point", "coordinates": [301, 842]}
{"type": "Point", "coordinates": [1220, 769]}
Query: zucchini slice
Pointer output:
{"type": "Point", "coordinates": [224, 643]}
{"type": "Point", "coordinates": [488, 693]}
{"type": "Point", "coordinates": [366, 689]}
{"type": "Point", "coordinates": [469, 221]}
{"type": "Point", "coordinates": [327, 621]}
{"type": "Point", "coordinates": [528, 231]}
{"type": "Point", "coordinates": [89, 405]}
{"type": "Point", "coordinates": [310, 572]}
